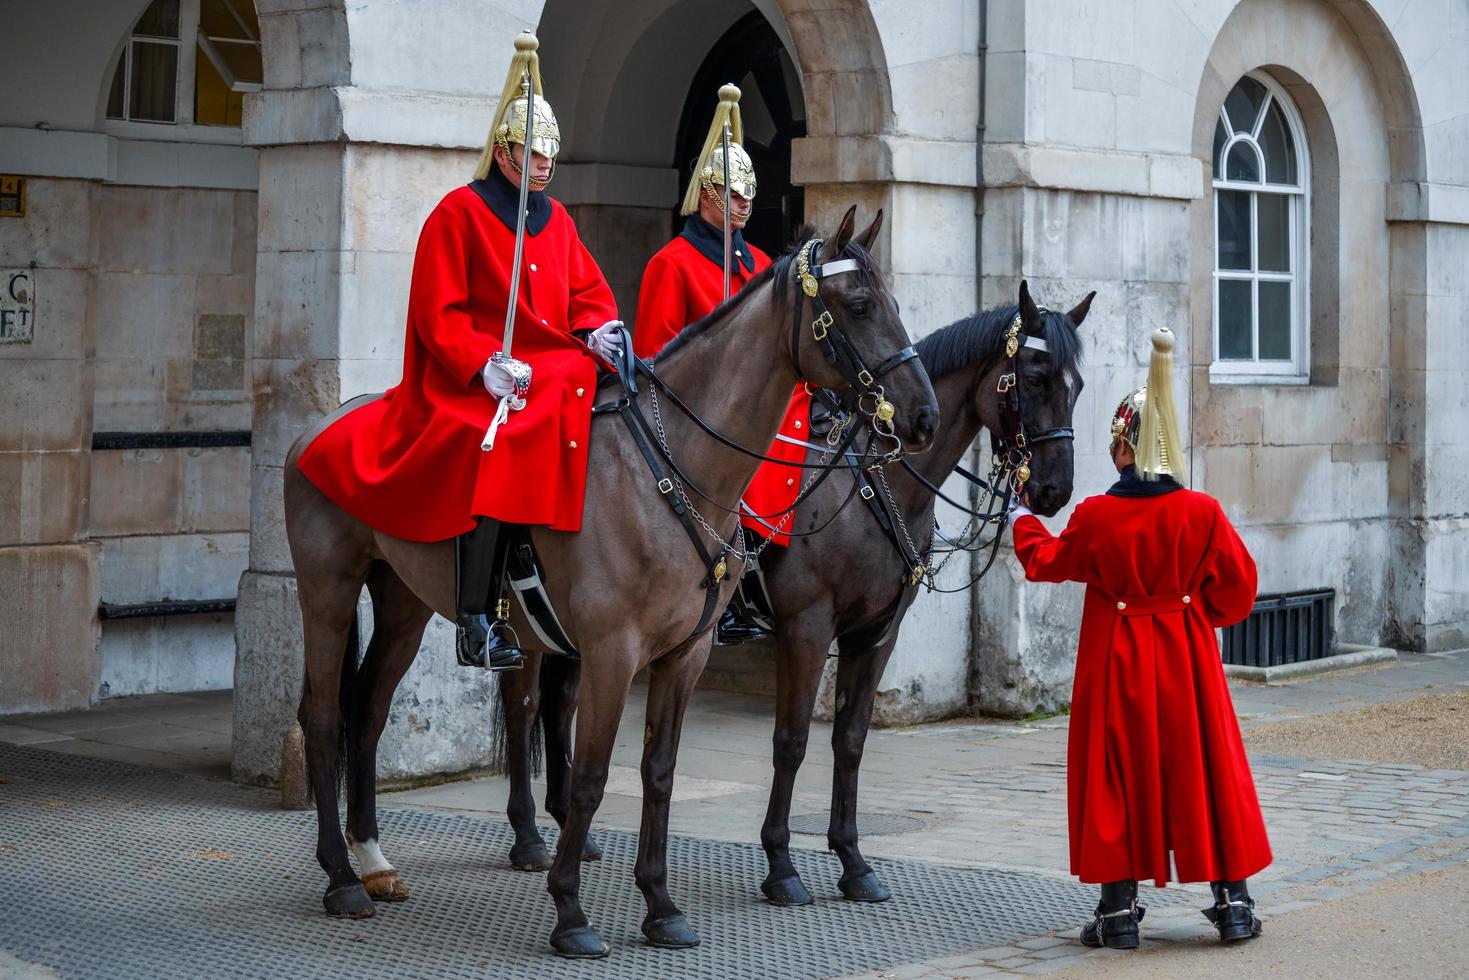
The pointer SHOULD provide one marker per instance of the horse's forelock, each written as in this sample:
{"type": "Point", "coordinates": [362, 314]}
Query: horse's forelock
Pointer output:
{"type": "Point", "coordinates": [972, 340]}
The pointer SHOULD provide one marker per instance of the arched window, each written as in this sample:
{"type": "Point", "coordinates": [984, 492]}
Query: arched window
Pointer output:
{"type": "Point", "coordinates": [187, 63]}
{"type": "Point", "coordinates": [1261, 239]}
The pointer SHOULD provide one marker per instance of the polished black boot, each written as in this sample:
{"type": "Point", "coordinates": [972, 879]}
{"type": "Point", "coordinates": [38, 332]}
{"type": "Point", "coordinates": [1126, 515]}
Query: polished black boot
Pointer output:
{"type": "Point", "coordinates": [1233, 912]}
{"type": "Point", "coordinates": [1118, 914]}
{"type": "Point", "coordinates": [480, 641]}
{"type": "Point", "coordinates": [733, 629]}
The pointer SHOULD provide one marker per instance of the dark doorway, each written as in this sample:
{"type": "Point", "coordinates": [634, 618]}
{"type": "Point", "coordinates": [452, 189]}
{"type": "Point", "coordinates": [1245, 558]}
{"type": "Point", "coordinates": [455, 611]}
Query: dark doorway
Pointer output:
{"type": "Point", "coordinates": [774, 113]}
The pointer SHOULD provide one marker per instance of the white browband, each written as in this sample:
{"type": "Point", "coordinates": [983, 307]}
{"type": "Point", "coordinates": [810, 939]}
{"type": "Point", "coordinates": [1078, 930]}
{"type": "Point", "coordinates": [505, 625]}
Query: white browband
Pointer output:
{"type": "Point", "coordinates": [1036, 343]}
{"type": "Point", "coordinates": [835, 268]}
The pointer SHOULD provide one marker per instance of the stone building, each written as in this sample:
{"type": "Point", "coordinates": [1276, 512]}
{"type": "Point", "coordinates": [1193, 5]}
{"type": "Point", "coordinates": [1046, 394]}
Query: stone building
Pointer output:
{"type": "Point", "coordinates": [220, 204]}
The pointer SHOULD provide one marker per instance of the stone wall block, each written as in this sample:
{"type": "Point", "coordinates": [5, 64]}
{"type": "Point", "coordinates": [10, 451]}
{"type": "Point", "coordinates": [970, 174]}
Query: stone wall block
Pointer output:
{"type": "Point", "coordinates": [269, 667]}
{"type": "Point", "coordinates": [921, 218]}
{"type": "Point", "coordinates": [136, 491]}
{"type": "Point", "coordinates": [281, 36]}
{"type": "Point", "coordinates": [216, 489]}
{"type": "Point", "coordinates": [177, 232]}
{"type": "Point", "coordinates": [297, 304]}
{"type": "Point", "coordinates": [50, 234]}
{"type": "Point", "coordinates": [374, 304]}
{"type": "Point", "coordinates": [300, 203]}
{"type": "Point", "coordinates": [42, 497]}
{"type": "Point", "coordinates": [44, 404]}
{"type": "Point", "coordinates": [63, 298]}
{"type": "Point", "coordinates": [153, 568]}
{"type": "Point", "coordinates": [158, 656]}
{"type": "Point", "coordinates": [325, 47]}
{"type": "Point", "coordinates": [1353, 411]}
{"type": "Point", "coordinates": [130, 396]}
{"type": "Point", "coordinates": [920, 111]}
{"type": "Point", "coordinates": [144, 315]}
{"type": "Point", "coordinates": [269, 550]}
{"type": "Point", "coordinates": [48, 647]}
{"type": "Point", "coordinates": [390, 192]}
{"type": "Point", "coordinates": [290, 396]}
{"type": "Point", "coordinates": [362, 376]}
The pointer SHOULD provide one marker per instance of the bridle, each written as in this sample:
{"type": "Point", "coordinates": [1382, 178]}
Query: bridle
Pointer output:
{"type": "Point", "coordinates": [1012, 444]}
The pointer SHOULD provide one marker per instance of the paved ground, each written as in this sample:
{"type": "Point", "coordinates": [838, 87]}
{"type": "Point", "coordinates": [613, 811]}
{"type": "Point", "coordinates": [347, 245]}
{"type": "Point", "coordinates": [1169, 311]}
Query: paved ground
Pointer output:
{"type": "Point", "coordinates": [1348, 805]}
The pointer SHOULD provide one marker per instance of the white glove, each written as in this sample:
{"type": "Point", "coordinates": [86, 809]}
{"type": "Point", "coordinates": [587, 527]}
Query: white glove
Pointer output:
{"type": "Point", "coordinates": [608, 339]}
{"type": "Point", "coordinates": [497, 379]}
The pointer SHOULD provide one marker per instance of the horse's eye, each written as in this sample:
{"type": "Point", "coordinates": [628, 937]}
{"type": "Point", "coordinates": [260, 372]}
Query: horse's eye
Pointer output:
{"type": "Point", "coordinates": [1035, 380]}
{"type": "Point", "coordinates": [859, 309]}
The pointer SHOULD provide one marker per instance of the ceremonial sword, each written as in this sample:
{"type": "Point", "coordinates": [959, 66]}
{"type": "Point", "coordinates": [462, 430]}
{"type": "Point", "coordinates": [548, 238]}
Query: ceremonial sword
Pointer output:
{"type": "Point", "coordinates": [519, 370]}
{"type": "Point", "coordinates": [727, 244]}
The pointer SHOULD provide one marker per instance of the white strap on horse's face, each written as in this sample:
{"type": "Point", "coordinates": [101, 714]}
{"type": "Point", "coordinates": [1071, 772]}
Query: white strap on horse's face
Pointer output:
{"type": "Point", "coordinates": [834, 268]}
{"type": "Point", "coordinates": [1034, 343]}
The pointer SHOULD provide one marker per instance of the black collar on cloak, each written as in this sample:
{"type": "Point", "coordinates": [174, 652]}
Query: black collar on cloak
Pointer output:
{"type": "Point", "coordinates": [708, 240]}
{"type": "Point", "coordinates": [1130, 484]}
{"type": "Point", "coordinates": [503, 199]}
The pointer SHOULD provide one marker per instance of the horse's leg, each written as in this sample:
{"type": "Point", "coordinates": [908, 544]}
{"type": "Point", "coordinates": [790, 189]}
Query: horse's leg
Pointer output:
{"type": "Point", "coordinates": [520, 700]}
{"type": "Point", "coordinates": [858, 674]}
{"type": "Point", "coordinates": [328, 603]}
{"type": "Point", "coordinates": [608, 671]}
{"type": "Point", "coordinates": [670, 681]}
{"type": "Point", "coordinates": [560, 678]}
{"type": "Point", "coordinates": [398, 618]}
{"type": "Point", "coordinates": [799, 661]}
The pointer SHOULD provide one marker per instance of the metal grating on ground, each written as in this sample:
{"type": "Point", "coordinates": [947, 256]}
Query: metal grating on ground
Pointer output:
{"type": "Point", "coordinates": [129, 872]}
{"type": "Point", "coordinates": [869, 824]}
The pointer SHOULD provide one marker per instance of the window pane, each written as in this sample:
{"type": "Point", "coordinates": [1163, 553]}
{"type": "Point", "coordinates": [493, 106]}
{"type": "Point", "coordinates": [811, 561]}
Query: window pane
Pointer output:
{"type": "Point", "coordinates": [1243, 104]}
{"type": "Point", "coordinates": [1274, 243]}
{"type": "Point", "coordinates": [1219, 138]}
{"type": "Point", "coordinates": [1275, 321]}
{"type": "Point", "coordinates": [1234, 229]}
{"type": "Point", "coordinates": [115, 94]}
{"type": "Point", "coordinates": [161, 19]}
{"type": "Point", "coordinates": [1243, 164]}
{"type": "Point", "coordinates": [155, 81]}
{"type": "Point", "coordinates": [214, 103]}
{"type": "Point", "coordinates": [1234, 320]}
{"type": "Point", "coordinates": [1278, 146]}
{"type": "Point", "coordinates": [221, 18]}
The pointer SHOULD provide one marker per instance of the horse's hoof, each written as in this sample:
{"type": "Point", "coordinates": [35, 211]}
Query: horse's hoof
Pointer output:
{"type": "Point", "coordinates": [350, 901]}
{"type": "Point", "coordinates": [591, 850]}
{"type": "Point", "coordinates": [786, 891]}
{"type": "Point", "coordinates": [580, 943]}
{"type": "Point", "coordinates": [864, 888]}
{"type": "Point", "coordinates": [385, 886]}
{"type": "Point", "coordinates": [530, 856]}
{"type": "Point", "coordinates": [670, 932]}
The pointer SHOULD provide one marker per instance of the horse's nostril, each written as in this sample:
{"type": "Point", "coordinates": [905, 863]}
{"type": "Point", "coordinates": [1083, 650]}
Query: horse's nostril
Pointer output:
{"type": "Point", "coordinates": [925, 423]}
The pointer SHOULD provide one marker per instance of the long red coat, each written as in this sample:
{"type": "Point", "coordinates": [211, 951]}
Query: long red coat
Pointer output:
{"type": "Point", "coordinates": [410, 463]}
{"type": "Point", "coordinates": [682, 283]}
{"type": "Point", "coordinates": [1155, 758]}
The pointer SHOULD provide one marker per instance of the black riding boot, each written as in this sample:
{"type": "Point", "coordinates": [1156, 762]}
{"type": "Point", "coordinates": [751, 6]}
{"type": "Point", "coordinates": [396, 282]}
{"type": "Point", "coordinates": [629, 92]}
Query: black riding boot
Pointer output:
{"type": "Point", "coordinates": [1233, 912]}
{"type": "Point", "coordinates": [1118, 914]}
{"type": "Point", "coordinates": [733, 628]}
{"type": "Point", "coordinates": [481, 641]}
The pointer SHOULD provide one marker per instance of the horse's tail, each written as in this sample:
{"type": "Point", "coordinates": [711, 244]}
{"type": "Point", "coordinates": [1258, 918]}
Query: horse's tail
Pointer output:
{"type": "Point", "coordinates": [499, 725]}
{"type": "Point", "coordinates": [347, 729]}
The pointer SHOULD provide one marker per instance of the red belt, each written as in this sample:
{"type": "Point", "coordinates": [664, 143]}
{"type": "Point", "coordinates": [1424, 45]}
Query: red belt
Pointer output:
{"type": "Point", "coordinates": [1151, 605]}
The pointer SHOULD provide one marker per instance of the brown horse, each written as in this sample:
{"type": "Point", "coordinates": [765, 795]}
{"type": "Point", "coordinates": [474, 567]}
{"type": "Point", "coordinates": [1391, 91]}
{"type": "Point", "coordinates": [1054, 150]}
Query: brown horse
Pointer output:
{"type": "Point", "coordinates": [846, 583]}
{"type": "Point", "coordinates": [629, 588]}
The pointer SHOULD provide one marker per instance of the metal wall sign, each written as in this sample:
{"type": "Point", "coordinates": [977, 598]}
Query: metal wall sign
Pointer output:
{"type": "Point", "coordinates": [12, 196]}
{"type": "Point", "coordinates": [17, 305]}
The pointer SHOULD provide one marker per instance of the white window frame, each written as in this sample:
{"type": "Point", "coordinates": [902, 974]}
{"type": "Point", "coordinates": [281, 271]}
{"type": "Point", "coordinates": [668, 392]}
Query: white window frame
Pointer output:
{"type": "Point", "coordinates": [1298, 369]}
{"type": "Point", "coordinates": [183, 129]}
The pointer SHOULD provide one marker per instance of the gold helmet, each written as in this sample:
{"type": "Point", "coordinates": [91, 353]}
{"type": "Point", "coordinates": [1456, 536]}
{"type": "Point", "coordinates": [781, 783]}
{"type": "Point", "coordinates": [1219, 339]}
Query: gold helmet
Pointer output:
{"type": "Point", "coordinates": [1148, 417]}
{"type": "Point", "coordinates": [509, 124]}
{"type": "Point", "coordinates": [709, 171]}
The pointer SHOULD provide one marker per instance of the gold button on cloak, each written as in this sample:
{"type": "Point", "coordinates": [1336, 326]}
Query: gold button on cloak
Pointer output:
{"type": "Point", "coordinates": [572, 444]}
{"type": "Point", "coordinates": [1121, 605]}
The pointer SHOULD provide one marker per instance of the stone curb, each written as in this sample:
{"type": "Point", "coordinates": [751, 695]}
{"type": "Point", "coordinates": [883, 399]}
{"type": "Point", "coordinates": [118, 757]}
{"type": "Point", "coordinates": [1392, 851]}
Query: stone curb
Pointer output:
{"type": "Point", "coordinates": [1349, 655]}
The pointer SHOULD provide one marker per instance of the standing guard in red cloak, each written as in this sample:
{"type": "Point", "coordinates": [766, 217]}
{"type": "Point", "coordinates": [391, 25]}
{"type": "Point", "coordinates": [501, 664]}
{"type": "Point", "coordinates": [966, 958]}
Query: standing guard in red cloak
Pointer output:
{"type": "Point", "coordinates": [688, 278]}
{"type": "Point", "coordinates": [1156, 768]}
{"type": "Point", "coordinates": [465, 442]}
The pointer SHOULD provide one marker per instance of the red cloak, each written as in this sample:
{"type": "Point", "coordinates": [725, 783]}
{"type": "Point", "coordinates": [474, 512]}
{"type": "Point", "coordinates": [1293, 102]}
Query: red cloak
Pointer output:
{"type": "Point", "coordinates": [1155, 759]}
{"type": "Point", "coordinates": [410, 463]}
{"type": "Point", "coordinates": [681, 284]}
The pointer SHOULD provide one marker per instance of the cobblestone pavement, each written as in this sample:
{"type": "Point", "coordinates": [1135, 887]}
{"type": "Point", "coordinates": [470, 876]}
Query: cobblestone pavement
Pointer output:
{"type": "Point", "coordinates": [980, 795]}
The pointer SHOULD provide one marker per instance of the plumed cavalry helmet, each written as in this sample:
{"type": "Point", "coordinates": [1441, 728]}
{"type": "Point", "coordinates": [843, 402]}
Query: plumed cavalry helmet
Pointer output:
{"type": "Point", "coordinates": [1148, 417]}
{"type": "Point", "coordinates": [509, 124]}
{"type": "Point", "coordinates": [709, 170]}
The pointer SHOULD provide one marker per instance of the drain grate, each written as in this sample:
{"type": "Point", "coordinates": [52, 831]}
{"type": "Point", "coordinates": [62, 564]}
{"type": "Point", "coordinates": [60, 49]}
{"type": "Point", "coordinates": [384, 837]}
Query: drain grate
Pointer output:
{"type": "Point", "coordinates": [868, 824]}
{"type": "Point", "coordinates": [139, 874]}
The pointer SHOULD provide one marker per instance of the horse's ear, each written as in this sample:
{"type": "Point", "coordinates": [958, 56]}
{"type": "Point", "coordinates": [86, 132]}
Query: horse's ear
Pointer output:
{"type": "Point", "coordinates": [1079, 312]}
{"type": "Point", "coordinates": [844, 233]}
{"type": "Point", "coordinates": [1029, 315]}
{"type": "Point", "coordinates": [868, 238]}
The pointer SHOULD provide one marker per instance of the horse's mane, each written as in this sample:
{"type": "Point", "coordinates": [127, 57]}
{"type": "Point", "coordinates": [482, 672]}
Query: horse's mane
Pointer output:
{"type": "Point", "coordinates": [978, 338]}
{"type": "Point", "coordinates": [777, 273]}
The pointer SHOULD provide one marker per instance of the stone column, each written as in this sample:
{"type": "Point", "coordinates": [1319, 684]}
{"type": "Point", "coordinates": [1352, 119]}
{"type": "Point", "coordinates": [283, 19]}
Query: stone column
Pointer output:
{"type": "Point", "coordinates": [366, 121]}
{"type": "Point", "coordinates": [49, 641]}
